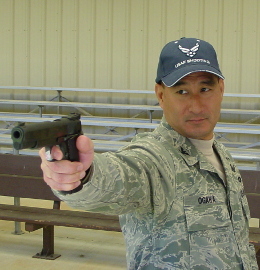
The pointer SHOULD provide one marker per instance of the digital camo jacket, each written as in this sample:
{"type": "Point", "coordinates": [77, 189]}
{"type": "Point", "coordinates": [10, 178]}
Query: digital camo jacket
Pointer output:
{"type": "Point", "coordinates": [175, 211]}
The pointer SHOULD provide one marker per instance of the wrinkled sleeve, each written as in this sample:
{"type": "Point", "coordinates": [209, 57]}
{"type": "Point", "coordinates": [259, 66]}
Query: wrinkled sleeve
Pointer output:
{"type": "Point", "coordinates": [119, 183]}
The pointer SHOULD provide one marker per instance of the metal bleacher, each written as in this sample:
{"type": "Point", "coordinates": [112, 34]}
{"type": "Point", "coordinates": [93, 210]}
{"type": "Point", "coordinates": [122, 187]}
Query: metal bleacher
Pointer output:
{"type": "Point", "coordinates": [247, 154]}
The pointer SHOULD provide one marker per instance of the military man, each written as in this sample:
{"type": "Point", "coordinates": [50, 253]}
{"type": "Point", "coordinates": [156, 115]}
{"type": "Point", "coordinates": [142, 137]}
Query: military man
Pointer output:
{"type": "Point", "coordinates": [177, 190]}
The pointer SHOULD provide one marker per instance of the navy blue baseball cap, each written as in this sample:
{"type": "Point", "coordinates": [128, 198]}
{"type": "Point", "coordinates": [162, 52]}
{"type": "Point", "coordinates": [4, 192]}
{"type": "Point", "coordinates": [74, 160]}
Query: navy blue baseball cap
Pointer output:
{"type": "Point", "coordinates": [185, 56]}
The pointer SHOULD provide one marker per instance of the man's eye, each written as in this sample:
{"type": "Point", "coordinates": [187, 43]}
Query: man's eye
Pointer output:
{"type": "Point", "coordinates": [205, 89]}
{"type": "Point", "coordinates": [182, 92]}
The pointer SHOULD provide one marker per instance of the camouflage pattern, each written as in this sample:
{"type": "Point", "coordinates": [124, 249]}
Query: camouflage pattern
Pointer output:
{"type": "Point", "coordinates": [175, 211]}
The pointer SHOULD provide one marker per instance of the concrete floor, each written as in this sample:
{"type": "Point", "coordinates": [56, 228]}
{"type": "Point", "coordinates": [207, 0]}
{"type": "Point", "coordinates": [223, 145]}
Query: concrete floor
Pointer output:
{"type": "Point", "coordinates": [79, 248]}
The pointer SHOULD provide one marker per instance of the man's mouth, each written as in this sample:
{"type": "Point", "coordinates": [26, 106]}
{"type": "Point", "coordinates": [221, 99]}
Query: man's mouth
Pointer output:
{"type": "Point", "coordinates": [196, 120]}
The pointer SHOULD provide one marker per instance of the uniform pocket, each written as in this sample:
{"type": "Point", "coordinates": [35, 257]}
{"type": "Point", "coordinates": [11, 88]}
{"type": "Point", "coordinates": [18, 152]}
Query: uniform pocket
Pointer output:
{"type": "Point", "coordinates": [210, 234]}
{"type": "Point", "coordinates": [205, 212]}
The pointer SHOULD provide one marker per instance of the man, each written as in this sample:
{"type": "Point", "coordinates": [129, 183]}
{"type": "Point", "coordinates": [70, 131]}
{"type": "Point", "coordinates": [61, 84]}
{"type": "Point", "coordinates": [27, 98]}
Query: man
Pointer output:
{"type": "Point", "coordinates": [177, 190]}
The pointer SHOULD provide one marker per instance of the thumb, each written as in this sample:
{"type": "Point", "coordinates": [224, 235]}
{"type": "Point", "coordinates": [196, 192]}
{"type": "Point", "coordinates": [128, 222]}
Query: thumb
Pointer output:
{"type": "Point", "coordinates": [85, 147]}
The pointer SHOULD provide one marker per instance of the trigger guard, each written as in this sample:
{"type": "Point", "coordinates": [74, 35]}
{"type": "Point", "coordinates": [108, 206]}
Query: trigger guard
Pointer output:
{"type": "Point", "coordinates": [48, 153]}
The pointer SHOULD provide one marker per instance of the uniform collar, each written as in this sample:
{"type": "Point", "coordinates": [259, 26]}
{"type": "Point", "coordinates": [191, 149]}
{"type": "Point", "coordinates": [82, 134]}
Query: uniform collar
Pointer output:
{"type": "Point", "coordinates": [177, 141]}
{"type": "Point", "coordinates": [188, 151]}
{"type": "Point", "coordinates": [192, 156]}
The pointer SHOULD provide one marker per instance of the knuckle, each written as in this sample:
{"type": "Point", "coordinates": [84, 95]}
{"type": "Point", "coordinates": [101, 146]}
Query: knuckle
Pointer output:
{"type": "Point", "coordinates": [59, 178]}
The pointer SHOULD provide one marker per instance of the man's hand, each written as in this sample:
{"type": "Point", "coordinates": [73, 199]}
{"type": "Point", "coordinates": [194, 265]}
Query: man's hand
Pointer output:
{"type": "Point", "coordinates": [63, 174]}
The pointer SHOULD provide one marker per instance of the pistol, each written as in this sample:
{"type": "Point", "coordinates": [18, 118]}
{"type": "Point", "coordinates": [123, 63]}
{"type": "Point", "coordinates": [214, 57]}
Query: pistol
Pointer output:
{"type": "Point", "coordinates": [62, 132]}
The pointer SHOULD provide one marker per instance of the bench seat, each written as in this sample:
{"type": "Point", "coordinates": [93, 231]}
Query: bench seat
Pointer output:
{"type": "Point", "coordinates": [21, 177]}
{"type": "Point", "coordinates": [41, 218]}
{"type": "Point", "coordinates": [57, 217]}
{"type": "Point", "coordinates": [254, 236]}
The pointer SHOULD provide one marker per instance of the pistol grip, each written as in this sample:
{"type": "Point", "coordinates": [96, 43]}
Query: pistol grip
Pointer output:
{"type": "Point", "coordinates": [68, 148]}
{"type": "Point", "coordinates": [72, 151]}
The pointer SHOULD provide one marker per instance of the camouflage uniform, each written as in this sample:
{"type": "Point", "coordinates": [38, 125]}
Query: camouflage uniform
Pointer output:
{"type": "Point", "coordinates": [175, 211]}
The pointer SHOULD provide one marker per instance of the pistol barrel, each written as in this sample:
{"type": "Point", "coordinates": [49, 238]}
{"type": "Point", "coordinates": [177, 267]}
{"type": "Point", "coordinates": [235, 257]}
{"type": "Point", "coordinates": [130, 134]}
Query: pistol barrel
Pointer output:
{"type": "Point", "coordinates": [46, 133]}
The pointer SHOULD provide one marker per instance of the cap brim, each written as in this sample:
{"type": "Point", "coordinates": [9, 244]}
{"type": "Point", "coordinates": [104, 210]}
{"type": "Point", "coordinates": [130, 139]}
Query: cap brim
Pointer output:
{"type": "Point", "coordinates": [172, 78]}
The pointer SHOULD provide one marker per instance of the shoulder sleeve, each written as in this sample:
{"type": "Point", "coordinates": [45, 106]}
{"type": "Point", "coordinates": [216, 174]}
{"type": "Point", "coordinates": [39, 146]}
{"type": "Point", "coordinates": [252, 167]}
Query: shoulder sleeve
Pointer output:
{"type": "Point", "coordinates": [132, 179]}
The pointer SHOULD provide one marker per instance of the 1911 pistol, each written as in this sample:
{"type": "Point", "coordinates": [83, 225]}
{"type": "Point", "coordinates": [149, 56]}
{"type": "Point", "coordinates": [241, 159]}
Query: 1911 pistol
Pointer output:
{"type": "Point", "coordinates": [62, 132]}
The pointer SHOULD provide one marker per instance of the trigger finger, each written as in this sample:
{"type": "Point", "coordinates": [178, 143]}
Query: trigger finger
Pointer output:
{"type": "Point", "coordinates": [53, 153]}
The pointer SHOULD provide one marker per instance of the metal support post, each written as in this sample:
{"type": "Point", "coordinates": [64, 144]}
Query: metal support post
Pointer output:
{"type": "Point", "coordinates": [17, 225]}
{"type": "Point", "coordinates": [59, 98]}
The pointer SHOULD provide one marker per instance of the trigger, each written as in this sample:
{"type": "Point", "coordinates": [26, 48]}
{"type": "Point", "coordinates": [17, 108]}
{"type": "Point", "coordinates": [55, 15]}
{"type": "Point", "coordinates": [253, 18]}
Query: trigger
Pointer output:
{"type": "Point", "coordinates": [48, 153]}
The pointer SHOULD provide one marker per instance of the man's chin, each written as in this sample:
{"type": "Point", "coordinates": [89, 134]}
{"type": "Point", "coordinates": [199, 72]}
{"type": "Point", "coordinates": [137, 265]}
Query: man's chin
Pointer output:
{"type": "Point", "coordinates": [200, 135]}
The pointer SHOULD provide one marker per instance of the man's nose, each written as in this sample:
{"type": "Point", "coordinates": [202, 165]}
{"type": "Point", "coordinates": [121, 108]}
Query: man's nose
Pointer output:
{"type": "Point", "coordinates": [196, 104]}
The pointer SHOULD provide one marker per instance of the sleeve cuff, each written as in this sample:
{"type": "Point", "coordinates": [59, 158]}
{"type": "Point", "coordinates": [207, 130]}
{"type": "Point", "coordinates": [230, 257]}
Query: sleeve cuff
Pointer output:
{"type": "Point", "coordinates": [84, 180]}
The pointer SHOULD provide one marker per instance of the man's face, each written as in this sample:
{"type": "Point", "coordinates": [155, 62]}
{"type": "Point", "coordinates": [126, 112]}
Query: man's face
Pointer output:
{"type": "Point", "coordinates": [192, 106]}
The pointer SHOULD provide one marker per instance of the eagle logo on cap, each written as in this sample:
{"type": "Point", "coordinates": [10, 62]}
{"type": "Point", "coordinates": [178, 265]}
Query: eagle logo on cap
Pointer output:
{"type": "Point", "coordinates": [190, 52]}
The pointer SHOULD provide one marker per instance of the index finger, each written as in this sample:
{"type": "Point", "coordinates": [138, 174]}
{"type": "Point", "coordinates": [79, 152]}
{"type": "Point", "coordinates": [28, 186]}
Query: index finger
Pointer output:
{"type": "Point", "coordinates": [51, 154]}
{"type": "Point", "coordinates": [61, 166]}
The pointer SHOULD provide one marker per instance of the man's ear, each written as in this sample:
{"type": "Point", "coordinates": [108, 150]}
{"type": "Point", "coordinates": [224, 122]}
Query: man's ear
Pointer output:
{"type": "Point", "coordinates": [159, 93]}
{"type": "Point", "coordinates": [222, 86]}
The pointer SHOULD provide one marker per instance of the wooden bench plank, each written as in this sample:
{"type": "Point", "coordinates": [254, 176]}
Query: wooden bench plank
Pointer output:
{"type": "Point", "coordinates": [20, 165]}
{"type": "Point", "coordinates": [21, 176]}
{"type": "Point", "coordinates": [254, 236]}
{"type": "Point", "coordinates": [251, 180]}
{"type": "Point", "coordinates": [251, 156]}
{"type": "Point", "coordinates": [66, 218]}
{"type": "Point", "coordinates": [23, 187]}
{"type": "Point", "coordinates": [254, 202]}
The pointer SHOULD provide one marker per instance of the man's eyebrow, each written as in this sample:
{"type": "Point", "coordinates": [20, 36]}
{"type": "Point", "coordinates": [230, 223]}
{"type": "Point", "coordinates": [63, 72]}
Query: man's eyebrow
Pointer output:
{"type": "Point", "coordinates": [209, 81]}
{"type": "Point", "coordinates": [179, 83]}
